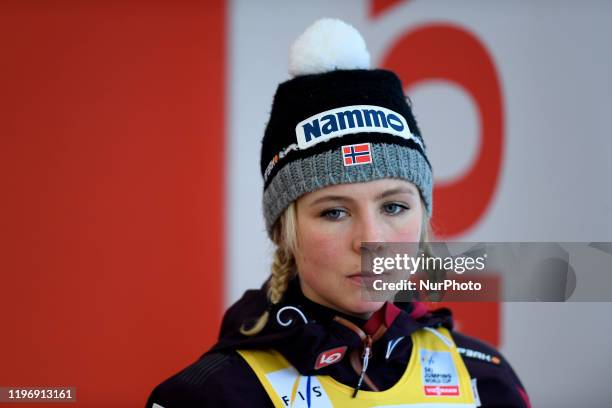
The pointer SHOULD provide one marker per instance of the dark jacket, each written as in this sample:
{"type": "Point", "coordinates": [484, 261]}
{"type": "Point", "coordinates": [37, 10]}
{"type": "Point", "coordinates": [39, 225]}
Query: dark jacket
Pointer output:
{"type": "Point", "coordinates": [221, 378]}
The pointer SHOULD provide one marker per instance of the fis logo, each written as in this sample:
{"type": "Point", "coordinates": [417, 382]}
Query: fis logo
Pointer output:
{"type": "Point", "coordinates": [297, 391]}
{"type": "Point", "coordinates": [356, 154]}
{"type": "Point", "coordinates": [351, 119]}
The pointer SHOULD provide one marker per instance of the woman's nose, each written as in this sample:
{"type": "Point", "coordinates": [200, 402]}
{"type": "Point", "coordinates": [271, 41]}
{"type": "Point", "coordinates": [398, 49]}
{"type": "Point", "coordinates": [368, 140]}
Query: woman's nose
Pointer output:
{"type": "Point", "coordinates": [367, 229]}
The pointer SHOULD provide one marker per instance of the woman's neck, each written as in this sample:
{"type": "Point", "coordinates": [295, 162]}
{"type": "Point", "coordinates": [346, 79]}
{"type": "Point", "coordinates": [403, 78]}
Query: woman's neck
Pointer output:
{"type": "Point", "coordinates": [319, 308]}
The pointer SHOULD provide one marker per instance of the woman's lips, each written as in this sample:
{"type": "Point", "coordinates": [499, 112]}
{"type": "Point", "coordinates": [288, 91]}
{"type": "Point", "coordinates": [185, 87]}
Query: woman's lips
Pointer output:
{"type": "Point", "coordinates": [364, 279]}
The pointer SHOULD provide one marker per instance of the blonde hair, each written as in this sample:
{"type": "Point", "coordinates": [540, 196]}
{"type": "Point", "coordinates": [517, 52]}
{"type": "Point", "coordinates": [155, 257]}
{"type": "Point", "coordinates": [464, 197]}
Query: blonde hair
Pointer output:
{"type": "Point", "coordinates": [284, 235]}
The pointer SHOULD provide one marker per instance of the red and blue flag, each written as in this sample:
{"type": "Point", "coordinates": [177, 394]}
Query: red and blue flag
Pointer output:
{"type": "Point", "coordinates": [356, 154]}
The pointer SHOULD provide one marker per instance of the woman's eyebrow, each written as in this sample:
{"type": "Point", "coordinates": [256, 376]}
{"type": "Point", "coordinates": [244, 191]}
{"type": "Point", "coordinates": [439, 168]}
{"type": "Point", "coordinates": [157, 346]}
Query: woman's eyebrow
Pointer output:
{"type": "Point", "coordinates": [384, 194]}
{"type": "Point", "coordinates": [398, 190]}
{"type": "Point", "coordinates": [330, 198]}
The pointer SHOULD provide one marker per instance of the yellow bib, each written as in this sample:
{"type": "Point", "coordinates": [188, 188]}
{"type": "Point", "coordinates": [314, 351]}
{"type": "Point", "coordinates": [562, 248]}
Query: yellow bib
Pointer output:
{"type": "Point", "coordinates": [435, 377]}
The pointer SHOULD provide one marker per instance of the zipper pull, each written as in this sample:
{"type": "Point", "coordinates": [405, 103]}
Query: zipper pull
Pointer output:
{"type": "Point", "coordinates": [367, 353]}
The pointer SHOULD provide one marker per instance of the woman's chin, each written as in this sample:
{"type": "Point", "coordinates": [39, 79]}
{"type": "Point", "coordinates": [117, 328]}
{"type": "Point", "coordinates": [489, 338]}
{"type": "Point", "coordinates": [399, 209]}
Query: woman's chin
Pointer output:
{"type": "Point", "coordinates": [364, 309]}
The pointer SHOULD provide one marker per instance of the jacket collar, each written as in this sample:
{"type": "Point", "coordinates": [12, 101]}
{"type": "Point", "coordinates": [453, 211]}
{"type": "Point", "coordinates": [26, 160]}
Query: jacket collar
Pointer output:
{"type": "Point", "coordinates": [313, 329]}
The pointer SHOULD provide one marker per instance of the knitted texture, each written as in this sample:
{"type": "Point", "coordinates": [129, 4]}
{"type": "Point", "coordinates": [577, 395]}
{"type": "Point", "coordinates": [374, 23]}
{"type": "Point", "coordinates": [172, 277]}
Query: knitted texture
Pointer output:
{"type": "Point", "coordinates": [318, 112]}
{"type": "Point", "coordinates": [325, 169]}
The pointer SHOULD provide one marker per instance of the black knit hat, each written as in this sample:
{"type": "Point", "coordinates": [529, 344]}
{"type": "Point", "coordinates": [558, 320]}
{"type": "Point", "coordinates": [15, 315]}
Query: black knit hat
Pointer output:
{"type": "Point", "coordinates": [338, 126]}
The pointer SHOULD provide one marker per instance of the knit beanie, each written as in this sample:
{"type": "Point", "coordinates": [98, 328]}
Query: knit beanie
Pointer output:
{"type": "Point", "coordinates": [337, 121]}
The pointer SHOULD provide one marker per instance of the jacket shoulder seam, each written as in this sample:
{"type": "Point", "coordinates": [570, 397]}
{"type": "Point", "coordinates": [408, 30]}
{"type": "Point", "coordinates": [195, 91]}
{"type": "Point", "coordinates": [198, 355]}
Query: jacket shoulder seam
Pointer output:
{"type": "Point", "coordinates": [201, 370]}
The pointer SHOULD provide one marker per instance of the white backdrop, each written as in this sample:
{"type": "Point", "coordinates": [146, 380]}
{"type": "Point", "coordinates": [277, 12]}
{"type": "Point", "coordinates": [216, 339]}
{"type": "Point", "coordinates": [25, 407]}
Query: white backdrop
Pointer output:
{"type": "Point", "coordinates": [553, 60]}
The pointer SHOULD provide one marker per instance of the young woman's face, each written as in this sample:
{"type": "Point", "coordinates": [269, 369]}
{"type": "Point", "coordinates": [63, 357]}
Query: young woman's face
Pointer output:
{"type": "Point", "coordinates": [331, 225]}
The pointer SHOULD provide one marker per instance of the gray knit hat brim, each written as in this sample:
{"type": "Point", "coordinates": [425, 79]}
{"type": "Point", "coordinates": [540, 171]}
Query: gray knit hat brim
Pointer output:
{"type": "Point", "coordinates": [302, 176]}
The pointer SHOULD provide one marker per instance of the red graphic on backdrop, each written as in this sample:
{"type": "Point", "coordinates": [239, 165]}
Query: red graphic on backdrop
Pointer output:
{"type": "Point", "coordinates": [450, 53]}
{"type": "Point", "coordinates": [378, 7]}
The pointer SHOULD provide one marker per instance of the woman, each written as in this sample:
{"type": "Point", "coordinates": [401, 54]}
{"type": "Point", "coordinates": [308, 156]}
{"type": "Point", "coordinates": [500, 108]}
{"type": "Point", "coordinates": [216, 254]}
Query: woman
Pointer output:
{"type": "Point", "coordinates": [343, 163]}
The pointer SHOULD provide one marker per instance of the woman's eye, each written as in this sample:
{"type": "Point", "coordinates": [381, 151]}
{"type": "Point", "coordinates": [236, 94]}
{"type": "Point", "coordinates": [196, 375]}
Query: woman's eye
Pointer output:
{"type": "Point", "coordinates": [394, 208]}
{"type": "Point", "coordinates": [334, 214]}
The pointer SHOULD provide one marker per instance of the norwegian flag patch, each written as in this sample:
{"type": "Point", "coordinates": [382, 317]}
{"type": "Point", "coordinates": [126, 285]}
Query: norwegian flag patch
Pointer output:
{"type": "Point", "coordinates": [356, 154]}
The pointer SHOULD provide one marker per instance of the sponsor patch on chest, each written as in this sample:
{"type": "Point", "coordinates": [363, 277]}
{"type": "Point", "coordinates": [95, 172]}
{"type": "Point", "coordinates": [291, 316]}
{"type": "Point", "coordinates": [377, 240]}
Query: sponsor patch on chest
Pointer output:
{"type": "Point", "coordinates": [479, 355]}
{"type": "Point", "coordinates": [439, 374]}
{"type": "Point", "coordinates": [330, 357]}
{"type": "Point", "coordinates": [297, 391]}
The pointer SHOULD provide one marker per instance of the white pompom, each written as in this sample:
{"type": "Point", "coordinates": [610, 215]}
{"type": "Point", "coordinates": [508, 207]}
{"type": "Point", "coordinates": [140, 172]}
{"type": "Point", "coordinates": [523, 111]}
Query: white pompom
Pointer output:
{"type": "Point", "coordinates": [327, 45]}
